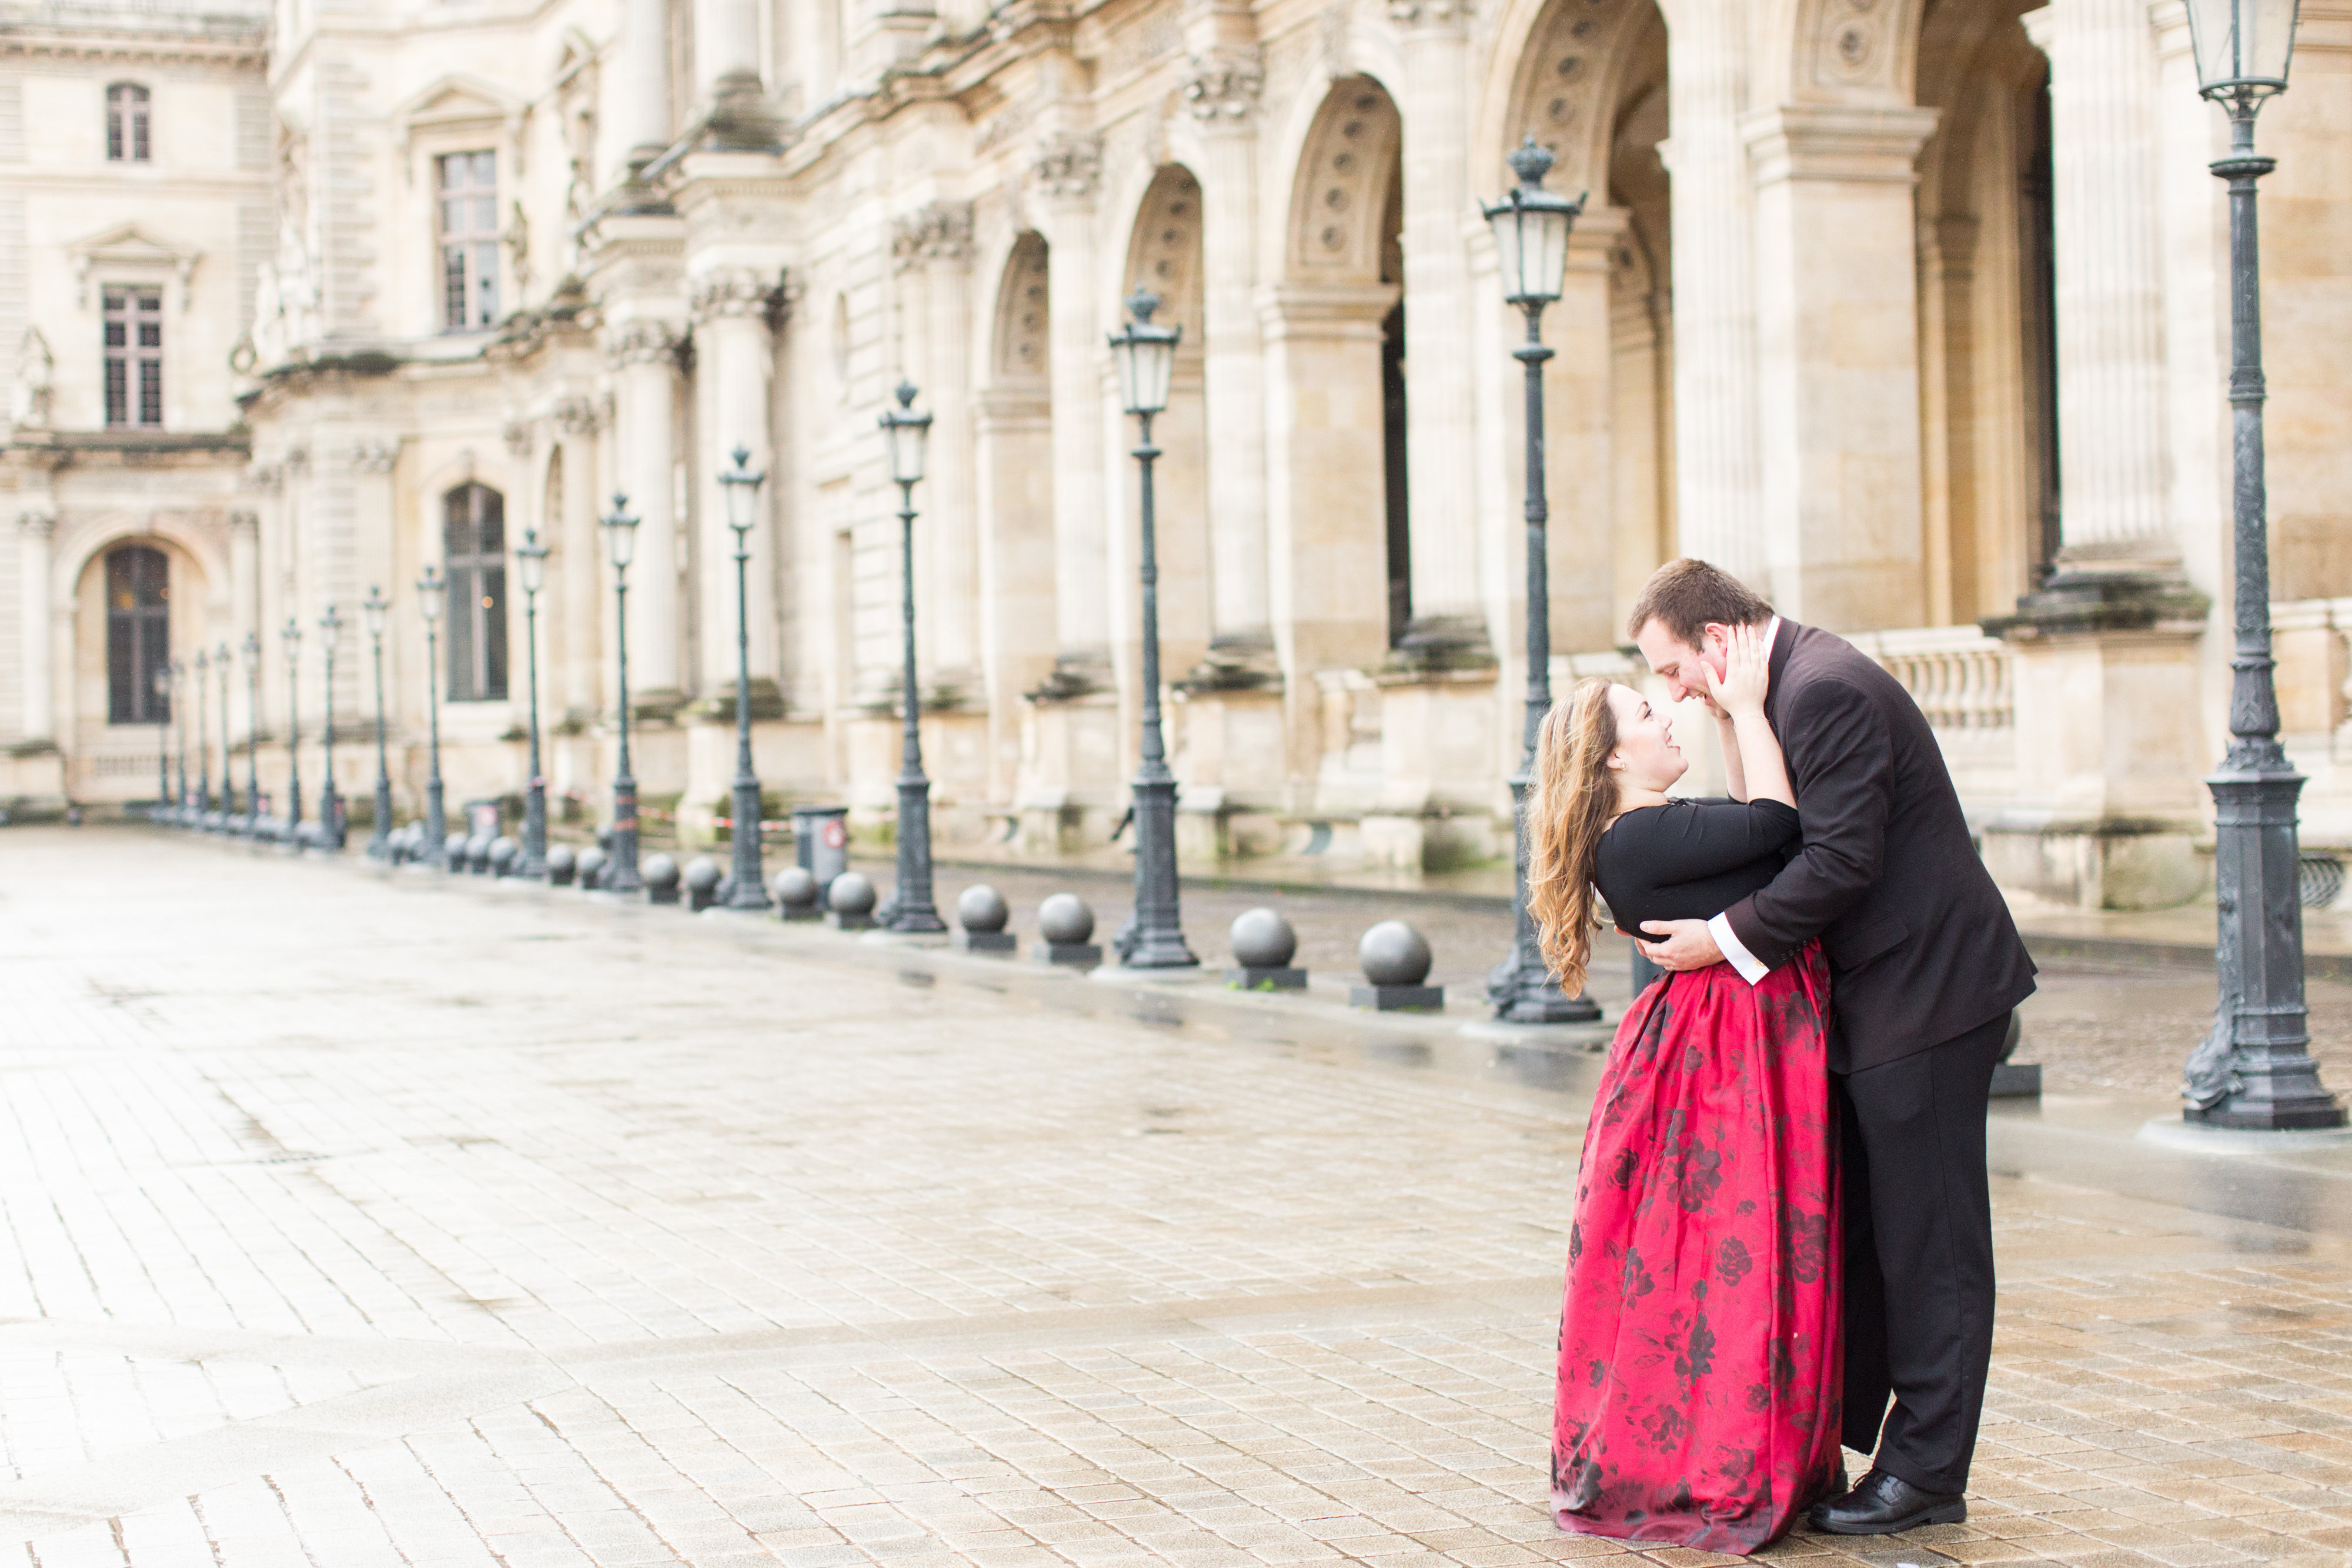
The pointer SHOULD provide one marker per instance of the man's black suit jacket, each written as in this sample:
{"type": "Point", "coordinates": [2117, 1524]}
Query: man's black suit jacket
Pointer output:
{"type": "Point", "coordinates": [1921, 947]}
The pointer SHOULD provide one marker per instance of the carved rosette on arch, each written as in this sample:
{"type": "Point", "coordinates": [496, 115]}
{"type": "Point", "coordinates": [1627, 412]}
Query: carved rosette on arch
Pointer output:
{"type": "Point", "coordinates": [642, 342]}
{"type": "Point", "coordinates": [731, 291]}
{"type": "Point", "coordinates": [938, 233]}
{"type": "Point", "coordinates": [1224, 84]}
{"type": "Point", "coordinates": [1069, 165]}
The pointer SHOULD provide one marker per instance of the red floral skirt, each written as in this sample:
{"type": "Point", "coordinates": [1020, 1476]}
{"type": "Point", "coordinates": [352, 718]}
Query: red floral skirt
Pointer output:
{"type": "Point", "coordinates": [1699, 1356]}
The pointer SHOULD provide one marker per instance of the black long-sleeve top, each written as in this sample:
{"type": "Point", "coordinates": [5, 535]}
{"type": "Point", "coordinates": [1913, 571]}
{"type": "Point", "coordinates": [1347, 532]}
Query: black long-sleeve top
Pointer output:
{"type": "Point", "coordinates": [1691, 860]}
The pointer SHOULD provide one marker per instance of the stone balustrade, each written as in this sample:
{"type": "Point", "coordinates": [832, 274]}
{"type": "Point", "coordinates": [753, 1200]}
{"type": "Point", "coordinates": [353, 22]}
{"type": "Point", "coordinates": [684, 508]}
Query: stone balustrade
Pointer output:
{"type": "Point", "coordinates": [1958, 675]}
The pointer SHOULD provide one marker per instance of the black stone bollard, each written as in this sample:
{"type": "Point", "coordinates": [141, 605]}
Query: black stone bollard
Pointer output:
{"type": "Point", "coordinates": [477, 854]}
{"type": "Point", "coordinates": [1066, 922]}
{"type": "Point", "coordinates": [1264, 945]}
{"type": "Point", "coordinates": [983, 912]}
{"type": "Point", "coordinates": [660, 873]}
{"type": "Point", "coordinates": [702, 879]}
{"type": "Point", "coordinates": [797, 894]}
{"type": "Point", "coordinates": [849, 903]}
{"type": "Point", "coordinates": [454, 852]}
{"type": "Point", "coordinates": [561, 864]}
{"type": "Point", "coordinates": [1396, 960]}
{"type": "Point", "coordinates": [590, 869]}
{"type": "Point", "coordinates": [504, 854]}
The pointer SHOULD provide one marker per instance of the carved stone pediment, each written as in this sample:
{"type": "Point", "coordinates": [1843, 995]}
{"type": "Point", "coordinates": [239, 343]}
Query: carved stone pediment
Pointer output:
{"type": "Point", "coordinates": [129, 254]}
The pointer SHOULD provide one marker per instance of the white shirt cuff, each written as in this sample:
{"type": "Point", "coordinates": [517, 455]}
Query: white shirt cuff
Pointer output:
{"type": "Point", "coordinates": [1735, 953]}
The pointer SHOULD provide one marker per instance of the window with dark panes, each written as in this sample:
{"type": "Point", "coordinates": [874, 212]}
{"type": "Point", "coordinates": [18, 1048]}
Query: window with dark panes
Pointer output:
{"type": "Point", "coordinates": [126, 123]}
{"type": "Point", "coordinates": [135, 356]}
{"type": "Point", "coordinates": [474, 551]}
{"type": "Point", "coordinates": [137, 634]}
{"type": "Point", "coordinates": [469, 240]}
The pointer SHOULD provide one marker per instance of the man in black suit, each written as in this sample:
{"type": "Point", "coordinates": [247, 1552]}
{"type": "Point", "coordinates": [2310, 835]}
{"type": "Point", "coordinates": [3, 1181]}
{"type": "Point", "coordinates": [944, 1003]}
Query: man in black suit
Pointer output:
{"type": "Point", "coordinates": [1926, 966]}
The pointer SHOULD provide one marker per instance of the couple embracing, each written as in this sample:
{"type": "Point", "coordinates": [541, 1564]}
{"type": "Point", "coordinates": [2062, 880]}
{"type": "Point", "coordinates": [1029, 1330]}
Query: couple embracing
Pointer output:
{"type": "Point", "coordinates": [1782, 1242]}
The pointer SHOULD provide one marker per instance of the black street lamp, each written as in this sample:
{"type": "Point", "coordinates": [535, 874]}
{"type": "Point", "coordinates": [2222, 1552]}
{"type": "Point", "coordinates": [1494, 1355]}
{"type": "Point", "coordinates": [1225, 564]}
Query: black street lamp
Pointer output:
{"type": "Point", "coordinates": [180, 737]}
{"type": "Point", "coordinates": [2254, 1070]}
{"type": "Point", "coordinates": [531, 564]}
{"type": "Point", "coordinates": [228, 786]}
{"type": "Point", "coordinates": [432, 595]}
{"type": "Point", "coordinates": [204, 740]}
{"type": "Point", "coordinates": [1146, 355]}
{"type": "Point", "coordinates": [747, 882]}
{"type": "Point", "coordinates": [621, 544]}
{"type": "Point", "coordinates": [292, 635]}
{"type": "Point", "coordinates": [1531, 228]}
{"type": "Point", "coordinates": [330, 804]}
{"type": "Point", "coordinates": [250, 651]}
{"type": "Point", "coordinates": [906, 435]}
{"type": "Point", "coordinates": [161, 684]}
{"type": "Point", "coordinates": [374, 610]}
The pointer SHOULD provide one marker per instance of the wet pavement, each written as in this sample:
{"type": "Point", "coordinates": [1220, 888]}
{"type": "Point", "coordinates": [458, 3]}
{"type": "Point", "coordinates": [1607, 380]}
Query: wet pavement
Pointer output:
{"type": "Point", "coordinates": [365, 1218]}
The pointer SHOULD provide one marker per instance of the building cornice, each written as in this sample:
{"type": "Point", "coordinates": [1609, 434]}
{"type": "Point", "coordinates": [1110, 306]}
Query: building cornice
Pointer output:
{"type": "Point", "coordinates": [243, 47]}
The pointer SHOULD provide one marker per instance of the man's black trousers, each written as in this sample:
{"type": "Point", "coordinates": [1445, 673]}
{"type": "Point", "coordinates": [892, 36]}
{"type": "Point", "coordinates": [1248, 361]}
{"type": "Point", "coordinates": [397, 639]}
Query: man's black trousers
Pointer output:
{"type": "Point", "coordinates": [1918, 1255]}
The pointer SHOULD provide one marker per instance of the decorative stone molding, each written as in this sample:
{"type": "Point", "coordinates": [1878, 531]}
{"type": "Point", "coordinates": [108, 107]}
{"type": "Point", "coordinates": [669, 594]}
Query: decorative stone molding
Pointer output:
{"type": "Point", "coordinates": [244, 522]}
{"type": "Point", "coordinates": [731, 291]}
{"type": "Point", "coordinates": [1431, 15]}
{"type": "Point", "coordinates": [375, 455]}
{"type": "Point", "coordinates": [1224, 84]}
{"type": "Point", "coordinates": [519, 437]}
{"type": "Point", "coordinates": [40, 525]}
{"type": "Point", "coordinates": [939, 232]}
{"type": "Point", "coordinates": [641, 342]}
{"type": "Point", "coordinates": [1069, 165]}
{"type": "Point", "coordinates": [266, 477]}
{"type": "Point", "coordinates": [298, 460]}
{"type": "Point", "coordinates": [576, 416]}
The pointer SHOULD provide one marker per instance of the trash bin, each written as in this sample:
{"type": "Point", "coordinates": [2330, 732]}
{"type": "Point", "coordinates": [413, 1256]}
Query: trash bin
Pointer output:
{"type": "Point", "coordinates": [482, 819]}
{"type": "Point", "coordinates": [821, 842]}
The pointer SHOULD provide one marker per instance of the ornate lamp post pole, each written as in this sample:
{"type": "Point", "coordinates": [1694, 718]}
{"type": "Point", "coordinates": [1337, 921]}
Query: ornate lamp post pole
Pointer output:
{"type": "Point", "coordinates": [161, 686]}
{"type": "Point", "coordinates": [432, 595]}
{"type": "Point", "coordinates": [292, 635]}
{"type": "Point", "coordinates": [1147, 363]}
{"type": "Point", "coordinates": [204, 740]}
{"type": "Point", "coordinates": [1531, 228]}
{"type": "Point", "coordinates": [180, 739]}
{"type": "Point", "coordinates": [907, 436]}
{"type": "Point", "coordinates": [373, 609]}
{"type": "Point", "coordinates": [531, 562]}
{"type": "Point", "coordinates": [330, 804]}
{"type": "Point", "coordinates": [621, 544]}
{"type": "Point", "coordinates": [2256, 1070]}
{"type": "Point", "coordinates": [746, 882]}
{"type": "Point", "coordinates": [228, 786]}
{"type": "Point", "coordinates": [250, 651]}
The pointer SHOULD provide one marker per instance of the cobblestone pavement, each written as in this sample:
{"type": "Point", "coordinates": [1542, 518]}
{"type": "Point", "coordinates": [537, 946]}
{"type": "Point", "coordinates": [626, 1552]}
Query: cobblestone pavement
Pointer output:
{"type": "Point", "coordinates": [362, 1218]}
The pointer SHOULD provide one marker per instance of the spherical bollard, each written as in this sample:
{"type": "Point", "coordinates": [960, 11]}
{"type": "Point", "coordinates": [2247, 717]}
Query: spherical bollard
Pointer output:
{"type": "Point", "coordinates": [504, 854]}
{"type": "Point", "coordinates": [660, 873]}
{"type": "Point", "coordinates": [983, 912]}
{"type": "Point", "coordinates": [702, 879]}
{"type": "Point", "coordinates": [1396, 960]}
{"type": "Point", "coordinates": [591, 868]}
{"type": "Point", "coordinates": [1066, 922]}
{"type": "Point", "coordinates": [454, 852]}
{"type": "Point", "coordinates": [796, 894]}
{"type": "Point", "coordinates": [477, 854]}
{"type": "Point", "coordinates": [1264, 945]}
{"type": "Point", "coordinates": [849, 903]}
{"type": "Point", "coordinates": [560, 863]}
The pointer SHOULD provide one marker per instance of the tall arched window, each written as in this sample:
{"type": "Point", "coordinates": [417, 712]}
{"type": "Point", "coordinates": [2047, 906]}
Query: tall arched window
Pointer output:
{"type": "Point", "coordinates": [473, 549]}
{"type": "Point", "coordinates": [137, 634]}
{"type": "Point", "coordinates": [126, 123]}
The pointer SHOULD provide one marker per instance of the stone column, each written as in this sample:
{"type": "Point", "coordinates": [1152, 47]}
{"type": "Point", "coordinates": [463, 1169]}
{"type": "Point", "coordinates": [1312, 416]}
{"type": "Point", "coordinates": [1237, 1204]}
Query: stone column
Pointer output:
{"type": "Point", "coordinates": [36, 648]}
{"type": "Point", "coordinates": [245, 576]}
{"type": "Point", "coordinates": [579, 556]}
{"type": "Point", "coordinates": [1068, 172]}
{"type": "Point", "coordinates": [1837, 355]}
{"type": "Point", "coordinates": [1449, 625]}
{"type": "Point", "coordinates": [644, 352]}
{"type": "Point", "coordinates": [1224, 96]}
{"type": "Point", "coordinates": [638, 109]}
{"type": "Point", "coordinates": [736, 356]}
{"type": "Point", "coordinates": [727, 71]}
{"type": "Point", "coordinates": [1719, 481]}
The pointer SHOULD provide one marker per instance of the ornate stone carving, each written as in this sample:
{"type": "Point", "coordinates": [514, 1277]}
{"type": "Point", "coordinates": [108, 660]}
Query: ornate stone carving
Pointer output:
{"type": "Point", "coordinates": [1069, 165]}
{"type": "Point", "coordinates": [731, 291]}
{"type": "Point", "coordinates": [40, 525]}
{"type": "Point", "coordinates": [1224, 84]}
{"type": "Point", "coordinates": [518, 436]}
{"type": "Point", "coordinates": [576, 416]}
{"type": "Point", "coordinates": [244, 522]}
{"type": "Point", "coordinates": [266, 477]}
{"type": "Point", "coordinates": [298, 460]}
{"type": "Point", "coordinates": [940, 232]}
{"type": "Point", "coordinates": [375, 455]}
{"type": "Point", "coordinates": [1430, 15]}
{"type": "Point", "coordinates": [36, 368]}
{"type": "Point", "coordinates": [1854, 46]}
{"type": "Point", "coordinates": [642, 342]}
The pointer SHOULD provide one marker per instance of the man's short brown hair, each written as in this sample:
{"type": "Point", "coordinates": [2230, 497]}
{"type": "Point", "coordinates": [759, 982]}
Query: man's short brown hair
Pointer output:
{"type": "Point", "coordinates": [1687, 596]}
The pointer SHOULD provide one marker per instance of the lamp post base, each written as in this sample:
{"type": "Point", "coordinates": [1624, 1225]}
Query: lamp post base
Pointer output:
{"type": "Point", "coordinates": [1521, 989]}
{"type": "Point", "coordinates": [331, 822]}
{"type": "Point", "coordinates": [436, 824]}
{"type": "Point", "coordinates": [621, 872]}
{"type": "Point", "coordinates": [747, 879]}
{"type": "Point", "coordinates": [1158, 925]}
{"type": "Point", "coordinates": [912, 907]}
{"type": "Point", "coordinates": [379, 840]}
{"type": "Point", "coordinates": [533, 862]}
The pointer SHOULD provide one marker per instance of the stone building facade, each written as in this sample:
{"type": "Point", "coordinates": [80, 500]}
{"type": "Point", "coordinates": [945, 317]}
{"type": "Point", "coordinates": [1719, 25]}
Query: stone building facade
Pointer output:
{"type": "Point", "coordinates": [1910, 312]}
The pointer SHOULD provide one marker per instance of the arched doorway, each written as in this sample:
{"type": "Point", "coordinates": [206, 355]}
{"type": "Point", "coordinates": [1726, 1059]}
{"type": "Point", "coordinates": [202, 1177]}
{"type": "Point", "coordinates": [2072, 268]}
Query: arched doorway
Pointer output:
{"type": "Point", "coordinates": [137, 634]}
{"type": "Point", "coordinates": [1163, 257]}
{"type": "Point", "coordinates": [474, 560]}
{"type": "Point", "coordinates": [1014, 470]}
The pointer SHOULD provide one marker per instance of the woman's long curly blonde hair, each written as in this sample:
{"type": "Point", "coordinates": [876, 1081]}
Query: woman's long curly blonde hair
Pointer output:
{"type": "Point", "coordinates": [1574, 797]}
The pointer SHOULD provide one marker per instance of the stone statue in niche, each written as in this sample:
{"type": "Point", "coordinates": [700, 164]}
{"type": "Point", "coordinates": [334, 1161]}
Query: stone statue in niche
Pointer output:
{"type": "Point", "coordinates": [35, 369]}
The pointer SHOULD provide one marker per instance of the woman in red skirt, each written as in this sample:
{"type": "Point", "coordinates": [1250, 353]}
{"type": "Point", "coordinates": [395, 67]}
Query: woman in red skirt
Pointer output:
{"type": "Point", "coordinates": [1699, 1357]}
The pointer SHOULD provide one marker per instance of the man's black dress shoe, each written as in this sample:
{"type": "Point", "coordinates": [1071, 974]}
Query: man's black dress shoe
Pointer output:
{"type": "Point", "coordinates": [1880, 1504]}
